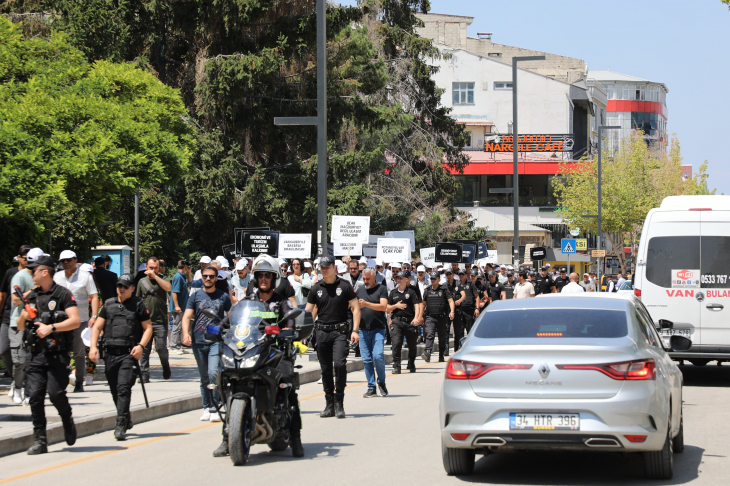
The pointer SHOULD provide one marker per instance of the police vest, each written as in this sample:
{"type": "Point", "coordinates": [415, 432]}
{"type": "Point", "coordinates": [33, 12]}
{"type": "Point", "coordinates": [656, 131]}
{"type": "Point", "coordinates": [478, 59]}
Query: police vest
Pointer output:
{"type": "Point", "coordinates": [122, 328]}
{"type": "Point", "coordinates": [436, 302]}
{"type": "Point", "coordinates": [469, 289]}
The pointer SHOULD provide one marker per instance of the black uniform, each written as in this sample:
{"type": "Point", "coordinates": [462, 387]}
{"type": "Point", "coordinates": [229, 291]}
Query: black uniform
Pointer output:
{"type": "Point", "coordinates": [509, 289]}
{"type": "Point", "coordinates": [561, 282]}
{"type": "Point", "coordinates": [455, 289]}
{"type": "Point", "coordinates": [495, 290]}
{"type": "Point", "coordinates": [437, 317]}
{"type": "Point", "coordinates": [122, 331]}
{"type": "Point", "coordinates": [468, 307]}
{"type": "Point", "coordinates": [402, 325]}
{"type": "Point", "coordinates": [332, 301]}
{"type": "Point", "coordinates": [47, 370]}
{"type": "Point", "coordinates": [543, 285]}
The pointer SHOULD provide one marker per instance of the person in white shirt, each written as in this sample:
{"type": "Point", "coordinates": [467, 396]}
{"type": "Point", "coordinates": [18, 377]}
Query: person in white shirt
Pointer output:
{"type": "Point", "coordinates": [82, 286]}
{"type": "Point", "coordinates": [423, 282]}
{"type": "Point", "coordinates": [588, 284]}
{"type": "Point", "coordinates": [299, 280]}
{"type": "Point", "coordinates": [572, 287]}
{"type": "Point", "coordinates": [523, 289]}
{"type": "Point", "coordinates": [502, 275]}
{"type": "Point", "coordinates": [239, 282]}
{"type": "Point", "coordinates": [621, 280]}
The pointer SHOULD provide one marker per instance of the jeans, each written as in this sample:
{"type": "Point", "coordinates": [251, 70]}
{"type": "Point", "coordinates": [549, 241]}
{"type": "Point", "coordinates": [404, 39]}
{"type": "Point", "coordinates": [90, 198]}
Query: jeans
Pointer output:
{"type": "Point", "coordinates": [207, 356]}
{"type": "Point", "coordinates": [371, 350]}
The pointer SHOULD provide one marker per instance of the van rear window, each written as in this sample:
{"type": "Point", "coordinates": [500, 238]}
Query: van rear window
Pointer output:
{"type": "Point", "coordinates": [552, 324]}
{"type": "Point", "coordinates": [666, 253]}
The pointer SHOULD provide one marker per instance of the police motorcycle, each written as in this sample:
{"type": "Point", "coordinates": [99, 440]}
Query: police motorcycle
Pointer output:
{"type": "Point", "coordinates": [255, 393]}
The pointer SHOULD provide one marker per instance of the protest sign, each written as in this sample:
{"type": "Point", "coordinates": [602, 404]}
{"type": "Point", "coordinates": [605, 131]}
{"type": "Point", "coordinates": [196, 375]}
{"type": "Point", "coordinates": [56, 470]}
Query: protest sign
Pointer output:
{"type": "Point", "coordinates": [254, 243]}
{"type": "Point", "coordinates": [344, 248]}
{"type": "Point", "coordinates": [394, 250]}
{"type": "Point", "coordinates": [448, 252]}
{"type": "Point", "coordinates": [295, 245]}
{"type": "Point", "coordinates": [410, 234]}
{"type": "Point", "coordinates": [238, 235]}
{"type": "Point", "coordinates": [353, 229]}
{"type": "Point", "coordinates": [428, 257]}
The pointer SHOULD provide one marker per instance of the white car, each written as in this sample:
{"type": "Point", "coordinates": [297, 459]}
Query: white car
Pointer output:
{"type": "Point", "coordinates": [573, 372]}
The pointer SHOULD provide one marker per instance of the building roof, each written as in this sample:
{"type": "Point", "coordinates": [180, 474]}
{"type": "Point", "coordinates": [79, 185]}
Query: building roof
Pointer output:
{"type": "Point", "coordinates": [605, 75]}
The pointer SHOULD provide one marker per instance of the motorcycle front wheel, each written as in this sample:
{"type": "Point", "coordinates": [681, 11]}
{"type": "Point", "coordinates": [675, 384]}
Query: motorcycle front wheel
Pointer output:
{"type": "Point", "coordinates": [239, 432]}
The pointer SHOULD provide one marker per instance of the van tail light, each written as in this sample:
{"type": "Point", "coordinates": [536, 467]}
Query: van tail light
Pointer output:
{"type": "Point", "coordinates": [700, 209]}
{"type": "Point", "coordinates": [631, 438]}
{"type": "Point", "coordinates": [272, 330]}
{"type": "Point", "coordinates": [465, 370]}
{"type": "Point", "coordinates": [640, 369]}
{"type": "Point", "coordinates": [637, 292]}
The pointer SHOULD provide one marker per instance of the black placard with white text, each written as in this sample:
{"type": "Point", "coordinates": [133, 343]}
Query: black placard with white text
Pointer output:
{"type": "Point", "coordinates": [448, 252]}
{"type": "Point", "coordinates": [254, 243]}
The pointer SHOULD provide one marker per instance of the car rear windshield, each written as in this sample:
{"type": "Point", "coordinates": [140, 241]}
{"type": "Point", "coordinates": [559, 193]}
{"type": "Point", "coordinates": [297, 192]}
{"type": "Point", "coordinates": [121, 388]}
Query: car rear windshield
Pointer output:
{"type": "Point", "coordinates": [552, 324]}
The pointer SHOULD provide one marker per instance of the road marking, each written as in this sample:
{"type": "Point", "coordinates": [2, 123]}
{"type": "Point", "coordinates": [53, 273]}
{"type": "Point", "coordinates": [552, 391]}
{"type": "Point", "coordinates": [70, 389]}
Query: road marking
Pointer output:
{"type": "Point", "coordinates": [149, 441]}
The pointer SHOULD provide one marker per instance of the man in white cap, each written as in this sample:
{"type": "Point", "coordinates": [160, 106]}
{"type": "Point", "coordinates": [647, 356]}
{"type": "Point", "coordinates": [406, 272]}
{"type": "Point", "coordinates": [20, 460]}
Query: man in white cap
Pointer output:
{"type": "Point", "coordinates": [362, 263]}
{"type": "Point", "coordinates": [502, 276]}
{"type": "Point", "coordinates": [83, 288]}
{"type": "Point", "coordinates": [204, 262]}
{"type": "Point", "coordinates": [240, 281]}
{"type": "Point", "coordinates": [423, 282]}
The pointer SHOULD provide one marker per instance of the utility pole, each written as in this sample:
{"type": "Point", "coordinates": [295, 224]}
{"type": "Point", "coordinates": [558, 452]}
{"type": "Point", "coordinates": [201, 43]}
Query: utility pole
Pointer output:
{"type": "Point", "coordinates": [136, 232]}
{"type": "Point", "coordinates": [320, 121]}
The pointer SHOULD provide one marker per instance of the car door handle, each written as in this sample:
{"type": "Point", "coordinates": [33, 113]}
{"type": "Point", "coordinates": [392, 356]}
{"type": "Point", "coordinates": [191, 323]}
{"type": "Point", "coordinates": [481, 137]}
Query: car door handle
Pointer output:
{"type": "Point", "coordinates": [715, 306]}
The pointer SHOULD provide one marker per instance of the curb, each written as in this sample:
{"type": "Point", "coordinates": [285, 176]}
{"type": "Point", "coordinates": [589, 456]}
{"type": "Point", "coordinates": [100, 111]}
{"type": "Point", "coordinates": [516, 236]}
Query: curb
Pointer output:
{"type": "Point", "coordinates": [103, 422]}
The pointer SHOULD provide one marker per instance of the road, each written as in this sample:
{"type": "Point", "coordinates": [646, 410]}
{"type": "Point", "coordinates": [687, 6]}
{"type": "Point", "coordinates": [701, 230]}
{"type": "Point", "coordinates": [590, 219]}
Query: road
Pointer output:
{"type": "Point", "coordinates": [393, 440]}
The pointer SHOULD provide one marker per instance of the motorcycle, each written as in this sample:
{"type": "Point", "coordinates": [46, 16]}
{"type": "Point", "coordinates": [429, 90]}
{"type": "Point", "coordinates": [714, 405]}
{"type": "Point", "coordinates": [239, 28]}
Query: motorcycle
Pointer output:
{"type": "Point", "coordinates": [253, 389]}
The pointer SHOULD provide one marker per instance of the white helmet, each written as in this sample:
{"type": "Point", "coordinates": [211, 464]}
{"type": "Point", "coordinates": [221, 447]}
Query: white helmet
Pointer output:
{"type": "Point", "coordinates": [266, 263]}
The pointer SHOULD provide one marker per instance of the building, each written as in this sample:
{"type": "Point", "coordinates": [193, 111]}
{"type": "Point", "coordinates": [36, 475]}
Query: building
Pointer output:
{"type": "Point", "coordinates": [634, 104]}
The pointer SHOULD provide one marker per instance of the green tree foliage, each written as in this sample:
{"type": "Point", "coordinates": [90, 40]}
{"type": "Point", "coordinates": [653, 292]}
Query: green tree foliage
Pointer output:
{"type": "Point", "coordinates": [77, 137]}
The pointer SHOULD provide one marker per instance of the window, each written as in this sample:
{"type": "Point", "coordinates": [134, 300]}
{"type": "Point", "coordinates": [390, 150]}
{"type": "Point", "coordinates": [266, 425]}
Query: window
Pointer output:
{"type": "Point", "coordinates": [667, 253]}
{"type": "Point", "coordinates": [463, 93]}
{"type": "Point", "coordinates": [469, 137]}
{"type": "Point", "coordinates": [503, 85]}
{"type": "Point", "coordinates": [495, 54]}
{"type": "Point", "coordinates": [552, 324]}
{"type": "Point", "coordinates": [715, 265]}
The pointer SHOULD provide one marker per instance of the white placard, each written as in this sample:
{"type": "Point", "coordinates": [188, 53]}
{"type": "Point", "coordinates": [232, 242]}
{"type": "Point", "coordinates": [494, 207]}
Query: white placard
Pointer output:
{"type": "Point", "coordinates": [410, 234]}
{"type": "Point", "coordinates": [354, 229]}
{"type": "Point", "coordinates": [370, 250]}
{"type": "Point", "coordinates": [341, 248]}
{"type": "Point", "coordinates": [294, 245]}
{"type": "Point", "coordinates": [394, 250]}
{"type": "Point", "coordinates": [428, 257]}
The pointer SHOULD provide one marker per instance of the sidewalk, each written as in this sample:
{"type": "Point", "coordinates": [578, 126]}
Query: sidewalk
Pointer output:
{"type": "Point", "coordinates": [94, 410]}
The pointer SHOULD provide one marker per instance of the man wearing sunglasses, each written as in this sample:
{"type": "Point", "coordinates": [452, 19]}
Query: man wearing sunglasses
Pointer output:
{"type": "Point", "coordinates": [82, 286]}
{"type": "Point", "coordinates": [127, 329]}
{"type": "Point", "coordinates": [437, 300]}
{"type": "Point", "coordinates": [153, 289]}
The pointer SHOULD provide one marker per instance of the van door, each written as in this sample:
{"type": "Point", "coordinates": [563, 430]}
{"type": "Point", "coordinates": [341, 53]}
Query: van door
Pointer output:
{"type": "Point", "coordinates": [673, 245]}
{"type": "Point", "coordinates": [715, 279]}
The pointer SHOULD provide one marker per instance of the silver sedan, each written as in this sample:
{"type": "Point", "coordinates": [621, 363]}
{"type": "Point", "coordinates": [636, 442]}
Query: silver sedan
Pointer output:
{"type": "Point", "coordinates": [563, 372]}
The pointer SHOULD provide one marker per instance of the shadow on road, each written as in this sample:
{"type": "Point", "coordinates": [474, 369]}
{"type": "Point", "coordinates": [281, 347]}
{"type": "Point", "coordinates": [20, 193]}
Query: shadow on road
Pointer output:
{"type": "Point", "coordinates": [710, 375]}
{"type": "Point", "coordinates": [265, 456]}
{"type": "Point", "coordinates": [579, 468]}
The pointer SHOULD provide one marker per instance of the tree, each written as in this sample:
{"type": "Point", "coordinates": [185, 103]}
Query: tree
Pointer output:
{"type": "Point", "coordinates": [77, 138]}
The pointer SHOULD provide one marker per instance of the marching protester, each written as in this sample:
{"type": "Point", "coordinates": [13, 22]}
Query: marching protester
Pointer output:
{"type": "Point", "coordinates": [300, 282]}
{"type": "Point", "coordinates": [178, 302]}
{"type": "Point", "coordinates": [458, 294]}
{"type": "Point", "coordinates": [523, 288]}
{"type": "Point", "coordinates": [23, 280]}
{"type": "Point", "coordinates": [373, 301]}
{"type": "Point", "coordinates": [573, 287]}
{"type": "Point", "coordinates": [543, 283]}
{"type": "Point", "coordinates": [402, 302]}
{"type": "Point", "coordinates": [127, 329]}
{"type": "Point", "coordinates": [153, 289]}
{"type": "Point", "coordinates": [588, 284]}
{"type": "Point", "coordinates": [105, 280]}
{"type": "Point", "coordinates": [329, 301]}
{"type": "Point", "coordinates": [436, 300]}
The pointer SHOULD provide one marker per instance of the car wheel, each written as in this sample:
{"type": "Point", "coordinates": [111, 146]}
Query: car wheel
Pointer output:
{"type": "Point", "coordinates": [457, 462]}
{"type": "Point", "coordinates": [660, 464]}
{"type": "Point", "coordinates": [678, 441]}
{"type": "Point", "coordinates": [699, 362]}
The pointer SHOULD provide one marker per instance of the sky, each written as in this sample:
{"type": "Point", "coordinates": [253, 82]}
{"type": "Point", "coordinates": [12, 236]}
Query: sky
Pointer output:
{"type": "Point", "coordinates": [683, 44]}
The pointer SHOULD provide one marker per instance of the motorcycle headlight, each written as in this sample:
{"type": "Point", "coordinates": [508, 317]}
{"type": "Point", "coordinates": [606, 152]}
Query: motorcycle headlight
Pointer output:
{"type": "Point", "coordinates": [228, 362]}
{"type": "Point", "coordinates": [249, 362]}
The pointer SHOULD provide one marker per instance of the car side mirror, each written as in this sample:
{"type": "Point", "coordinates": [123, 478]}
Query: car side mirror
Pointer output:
{"type": "Point", "coordinates": [665, 324]}
{"type": "Point", "coordinates": [292, 314]}
{"type": "Point", "coordinates": [679, 343]}
{"type": "Point", "coordinates": [210, 313]}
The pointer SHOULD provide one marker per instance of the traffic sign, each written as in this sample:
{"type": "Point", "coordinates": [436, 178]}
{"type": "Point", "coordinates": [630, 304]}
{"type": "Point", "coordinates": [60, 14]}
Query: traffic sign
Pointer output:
{"type": "Point", "coordinates": [567, 245]}
{"type": "Point", "coordinates": [575, 232]}
{"type": "Point", "coordinates": [598, 253]}
{"type": "Point", "coordinates": [581, 244]}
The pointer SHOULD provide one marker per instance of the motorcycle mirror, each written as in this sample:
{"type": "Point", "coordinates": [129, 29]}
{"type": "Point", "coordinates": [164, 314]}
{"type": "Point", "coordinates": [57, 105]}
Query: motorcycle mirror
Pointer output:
{"type": "Point", "coordinates": [210, 313]}
{"type": "Point", "coordinates": [292, 314]}
{"type": "Point", "coordinates": [679, 343]}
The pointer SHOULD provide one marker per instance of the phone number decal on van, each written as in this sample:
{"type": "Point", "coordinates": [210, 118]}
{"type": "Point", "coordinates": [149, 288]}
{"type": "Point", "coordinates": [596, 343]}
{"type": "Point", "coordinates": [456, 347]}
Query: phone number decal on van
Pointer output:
{"type": "Point", "coordinates": [685, 279]}
{"type": "Point", "coordinates": [713, 279]}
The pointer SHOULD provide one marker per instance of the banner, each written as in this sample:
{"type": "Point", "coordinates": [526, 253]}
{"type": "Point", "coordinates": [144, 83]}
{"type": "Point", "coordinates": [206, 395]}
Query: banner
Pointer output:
{"type": "Point", "coordinates": [448, 252]}
{"type": "Point", "coordinates": [468, 253]}
{"type": "Point", "coordinates": [354, 229]}
{"type": "Point", "coordinates": [410, 234]}
{"type": "Point", "coordinates": [238, 234]}
{"type": "Point", "coordinates": [254, 243]}
{"type": "Point", "coordinates": [428, 257]}
{"type": "Point", "coordinates": [394, 250]}
{"type": "Point", "coordinates": [341, 248]}
{"type": "Point", "coordinates": [295, 245]}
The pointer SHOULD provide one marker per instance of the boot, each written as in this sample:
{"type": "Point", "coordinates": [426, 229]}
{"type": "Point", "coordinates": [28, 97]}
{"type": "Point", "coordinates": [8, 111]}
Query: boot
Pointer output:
{"type": "Point", "coordinates": [339, 405]}
{"type": "Point", "coordinates": [129, 421]}
{"type": "Point", "coordinates": [120, 432]}
{"type": "Point", "coordinates": [222, 450]}
{"type": "Point", "coordinates": [297, 450]}
{"type": "Point", "coordinates": [40, 446]}
{"type": "Point", "coordinates": [166, 371]}
{"type": "Point", "coordinates": [69, 431]}
{"type": "Point", "coordinates": [441, 357]}
{"type": "Point", "coordinates": [412, 366]}
{"type": "Point", "coordinates": [446, 352]}
{"type": "Point", "coordinates": [396, 367]}
{"type": "Point", "coordinates": [426, 356]}
{"type": "Point", "coordinates": [329, 409]}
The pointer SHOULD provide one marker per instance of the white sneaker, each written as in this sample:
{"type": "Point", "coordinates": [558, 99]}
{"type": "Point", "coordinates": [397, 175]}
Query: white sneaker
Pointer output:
{"type": "Point", "coordinates": [215, 417]}
{"type": "Point", "coordinates": [18, 396]}
{"type": "Point", "coordinates": [89, 380]}
{"type": "Point", "coordinates": [12, 389]}
{"type": "Point", "coordinates": [319, 382]}
{"type": "Point", "coordinates": [206, 416]}
{"type": "Point", "coordinates": [176, 351]}
{"type": "Point", "coordinates": [72, 379]}
{"type": "Point", "coordinates": [26, 402]}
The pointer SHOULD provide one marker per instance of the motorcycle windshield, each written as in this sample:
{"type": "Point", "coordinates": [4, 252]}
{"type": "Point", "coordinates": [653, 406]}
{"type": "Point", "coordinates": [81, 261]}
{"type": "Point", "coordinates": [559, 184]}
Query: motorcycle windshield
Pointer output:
{"type": "Point", "coordinates": [245, 318]}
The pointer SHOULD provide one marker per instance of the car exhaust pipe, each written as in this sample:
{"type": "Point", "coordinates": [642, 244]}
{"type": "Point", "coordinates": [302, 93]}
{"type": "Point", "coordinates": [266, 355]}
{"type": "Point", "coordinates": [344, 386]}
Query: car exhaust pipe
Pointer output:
{"type": "Point", "coordinates": [489, 441]}
{"type": "Point", "coordinates": [602, 442]}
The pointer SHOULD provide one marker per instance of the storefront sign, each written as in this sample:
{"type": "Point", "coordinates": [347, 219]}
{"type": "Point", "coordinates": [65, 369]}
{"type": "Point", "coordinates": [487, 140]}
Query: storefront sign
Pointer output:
{"type": "Point", "coordinates": [531, 143]}
{"type": "Point", "coordinates": [293, 245]}
{"type": "Point", "coordinates": [394, 250]}
{"type": "Point", "coordinates": [354, 229]}
{"type": "Point", "coordinates": [254, 243]}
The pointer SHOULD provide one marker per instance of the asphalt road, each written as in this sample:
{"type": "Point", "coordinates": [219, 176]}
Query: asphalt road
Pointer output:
{"type": "Point", "coordinates": [392, 440]}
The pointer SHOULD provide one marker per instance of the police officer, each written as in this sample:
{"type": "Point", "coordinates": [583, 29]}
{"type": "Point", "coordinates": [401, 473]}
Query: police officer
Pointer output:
{"type": "Point", "coordinates": [127, 329]}
{"type": "Point", "coordinates": [562, 280]}
{"type": "Point", "coordinates": [436, 299]}
{"type": "Point", "coordinates": [328, 301]}
{"type": "Point", "coordinates": [458, 294]}
{"type": "Point", "coordinates": [509, 286]}
{"type": "Point", "coordinates": [402, 304]}
{"type": "Point", "coordinates": [49, 342]}
{"type": "Point", "coordinates": [544, 284]}
{"type": "Point", "coordinates": [495, 288]}
{"type": "Point", "coordinates": [470, 306]}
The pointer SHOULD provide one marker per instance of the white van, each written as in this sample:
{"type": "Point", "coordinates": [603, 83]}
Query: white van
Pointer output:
{"type": "Point", "coordinates": [683, 273]}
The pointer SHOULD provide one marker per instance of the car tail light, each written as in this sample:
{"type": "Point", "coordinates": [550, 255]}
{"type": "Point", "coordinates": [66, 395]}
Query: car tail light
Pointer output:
{"type": "Point", "coordinates": [631, 438]}
{"type": "Point", "coordinates": [459, 436]}
{"type": "Point", "coordinates": [272, 330]}
{"type": "Point", "coordinates": [637, 292]}
{"type": "Point", "coordinates": [465, 370]}
{"type": "Point", "coordinates": [640, 369]}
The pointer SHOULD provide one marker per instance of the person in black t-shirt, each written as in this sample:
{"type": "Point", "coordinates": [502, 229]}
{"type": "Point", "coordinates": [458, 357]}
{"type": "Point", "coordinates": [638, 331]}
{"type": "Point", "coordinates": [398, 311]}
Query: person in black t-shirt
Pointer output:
{"type": "Point", "coordinates": [544, 284]}
{"type": "Point", "coordinates": [403, 306]}
{"type": "Point", "coordinates": [328, 301]}
{"type": "Point", "coordinates": [373, 300]}
{"type": "Point", "coordinates": [458, 294]}
{"type": "Point", "coordinates": [562, 280]}
{"type": "Point", "coordinates": [495, 288]}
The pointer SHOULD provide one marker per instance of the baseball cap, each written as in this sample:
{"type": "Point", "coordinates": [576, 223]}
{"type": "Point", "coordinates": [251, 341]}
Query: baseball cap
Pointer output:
{"type": "Point", "coordinates": [510, 267]}
{"type": "Point", "coordinates": [586, 275]}
{"type": "Point", "coordinates": [44, 260]}
{"type": "Point", "coordinates": [241, 264]}
{"type": "Point", "coordinates": [379, 262]}
{"type": "Point", "coordinates": [421, 268]}
{"type": "Point", "coordinates": [307, 265]}
{"type": "Point", "coordinates": [563, 270]}
{"type": "Point", "coordinates": [66, 254]}
{"type": "Point", "coordinates": [449, 270]}
{"type": "Point", "coordinates": [205, 259]}
{"type": "Point", "coordinates": [404, 274]}
{"type": "Point", "coordinates": [434, 275]}
{"type": "Point", "coordinates": [547, 265]}
{"type": "Point", "coordinates": [503, 266]}
{"type": "Point", "coordinates": [86, 268]}
{"type": "Point", "coordinates": [33, 254]}
{"type": "Point", "coordinates": [326, 261]}
{"type": "Point", "coordinates": [363, 259]}
{"type": "Point", "coordinates": [395, 265]}
{"type": "Point", "coordinates": [222, 274]}
{"type": "Point", "coordinates": [127, 280]}
{"type": "Point", "coordinates": [475, 271]}
{"type": "Point", "coordinates": [142, 267]}
{"type": "Point", "coordinates": [462, 271]}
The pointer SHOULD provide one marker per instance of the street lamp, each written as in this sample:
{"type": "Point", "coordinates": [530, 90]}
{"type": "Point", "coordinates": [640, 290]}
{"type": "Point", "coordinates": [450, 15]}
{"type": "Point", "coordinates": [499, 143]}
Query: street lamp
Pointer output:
{"type": "Point", "coordinates": [515, 149]}
{"type": "Point", "coordinates": [600, 129]}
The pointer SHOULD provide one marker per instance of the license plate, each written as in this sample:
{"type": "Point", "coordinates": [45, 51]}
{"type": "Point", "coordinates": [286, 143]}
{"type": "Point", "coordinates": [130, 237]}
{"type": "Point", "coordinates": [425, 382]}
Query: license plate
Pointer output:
{"type": "Point", "coordinates": [544, 421]}
{"type": "Point", "coordinates": [675, 332]}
